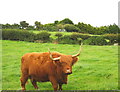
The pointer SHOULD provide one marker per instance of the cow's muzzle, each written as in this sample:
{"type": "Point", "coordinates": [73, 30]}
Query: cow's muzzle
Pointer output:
{"type": "Point", "coordinates": [68, 73]}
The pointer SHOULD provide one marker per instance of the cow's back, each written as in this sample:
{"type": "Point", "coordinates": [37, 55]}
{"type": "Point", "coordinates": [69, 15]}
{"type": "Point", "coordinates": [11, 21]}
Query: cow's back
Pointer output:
{"type": "Point", "coordinates": [30, 57]}
{"type": "Point", "coordinates": [36, 65]}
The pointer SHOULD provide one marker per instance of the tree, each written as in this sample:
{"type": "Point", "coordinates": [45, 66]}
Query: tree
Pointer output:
{"type": "Point", "coordinates": [24, 24]}
{"type": "Point", "coordinates": [66, 21]}
{"type": "Point", "coordinates": [86, 28]}
{"type": "Point", "coordinates": [38, 25]}
{"type": "Point", "coordinates": [56, 22]}
{"type": "Point", "coordinates": [114, 29]}
{"type": "Point", "coordinates": [71, 28]}
{"type": "Point", "coordinates": [15, 26]}
{"type": "Point", "coordinates": [50, 27]}
{"type": "Point", "coordinates": [60, 26]}
{"type": "Point", "coordinates": [6, 26]}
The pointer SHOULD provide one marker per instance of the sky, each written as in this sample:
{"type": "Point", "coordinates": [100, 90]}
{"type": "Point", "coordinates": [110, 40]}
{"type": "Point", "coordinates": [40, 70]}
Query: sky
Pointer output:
{"type": "Point", "coordinates": [94, 12]}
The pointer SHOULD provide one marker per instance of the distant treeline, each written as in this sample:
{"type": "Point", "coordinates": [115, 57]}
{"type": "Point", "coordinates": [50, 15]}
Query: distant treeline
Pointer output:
{"type": "Point", "coordinates": [65, 25]}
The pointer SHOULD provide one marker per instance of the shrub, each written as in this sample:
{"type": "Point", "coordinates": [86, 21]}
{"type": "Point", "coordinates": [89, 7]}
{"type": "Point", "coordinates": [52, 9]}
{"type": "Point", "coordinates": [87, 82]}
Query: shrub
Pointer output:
{"type": "Point", "coordinates": [100, 40]}
{"type": "Point", "coordinates": [43, 36]}
{"type": "Point", "coordinates": [17, 35]}
{"type": "Point", "coordinates": [113, 38]}
{"type": "Point", "coordinates": [66, 39]}
{"type": "Point", "coordinates": [58, 35]}
{"type": "Point", "coordinates": [50, 27]}
{"type": "Point", "coordinates": [84, 36]}
{"type": "Point", "coordinates": [75, 36]}
{"type": "Point", "coordinates": [71, 28]}
{"type": "Point", "coordinates": [96, 40]}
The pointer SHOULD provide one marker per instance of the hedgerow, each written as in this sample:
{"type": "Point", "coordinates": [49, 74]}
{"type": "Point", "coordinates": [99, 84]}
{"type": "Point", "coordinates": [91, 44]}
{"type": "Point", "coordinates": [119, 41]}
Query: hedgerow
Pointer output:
{"type": "Point", "coordinates": [23, 35]}
{"type": "Point", "coordinates": [74, 38]}
{"type": "Point", "coordinates": [17, 35]}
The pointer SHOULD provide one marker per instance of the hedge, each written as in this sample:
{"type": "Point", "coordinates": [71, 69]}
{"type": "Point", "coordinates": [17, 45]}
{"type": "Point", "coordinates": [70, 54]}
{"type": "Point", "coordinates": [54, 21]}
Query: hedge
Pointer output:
{"type": "Point", "coordinates": [113, 38]}
{"type": "Point", "coordinates": [96, 40]}
{"type": "Point", "coordinates": [79, 35]}
{"type": "Point", "coordinates": [74, 38]}
{"type": "Point", "coordinates": [43, 36]}
{"type": "Point", "coordinates": [17, 35]}
{"type": "Point", "coordinates": [23, 35]}
{"type": "Point", "coordinates": [67, 39]}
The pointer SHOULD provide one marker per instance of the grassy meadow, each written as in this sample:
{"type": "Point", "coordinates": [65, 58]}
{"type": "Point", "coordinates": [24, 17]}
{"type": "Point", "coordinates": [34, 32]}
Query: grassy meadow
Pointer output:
{"type": "Point", "coordinates": [97, 68]}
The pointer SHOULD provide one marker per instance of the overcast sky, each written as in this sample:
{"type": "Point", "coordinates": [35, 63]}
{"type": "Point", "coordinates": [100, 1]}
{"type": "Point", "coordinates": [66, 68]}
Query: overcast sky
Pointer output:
{"type": "Point", "coordinates": [94, 12]}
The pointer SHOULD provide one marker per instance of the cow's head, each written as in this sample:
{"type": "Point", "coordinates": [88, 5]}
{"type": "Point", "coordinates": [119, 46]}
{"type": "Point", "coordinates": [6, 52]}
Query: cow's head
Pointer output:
{"type": "Point", "coordinates": [65, 62]}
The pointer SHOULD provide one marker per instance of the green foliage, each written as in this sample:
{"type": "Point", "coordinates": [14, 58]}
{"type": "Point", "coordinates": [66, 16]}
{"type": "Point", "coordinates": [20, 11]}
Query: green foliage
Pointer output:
{"type": "Point", "coordinates": [15, 26]}
{"type": "Point", "coordinates": [30, 27]}
{"type": "Point", "coordinates": [96, 40]}
{"type": "Point", "coordinates": [113, 29]}
{"type": "Point", "coordinates": [71, 28]}
{"type": "Point", "coordinates": [56, 22]}
{"type": "Point", "coordinates": [43, 36]}
{"type": "Point", "coordinates": [38, 25]}
{"type": "Point", "coordinates": [24, 24]}
{"type": "Point", "coordinates": [113, 38]}
{"type": "Point", "coordinates": [6, 26]}
{"type": "Point", "coordinates": [66, 21]}
{"type": "Point", "coordinates": [17, 35]}
{"type": "Point", "coordinates": [74, 38]}
{"type": "Point", "coordinates": [50, 27]}
{"type": "Point", "coordinates": [65, 24]}
{"type": "Point", "coordinates": [101, 30]}
{"type": "Point", "coordinates": [71, 38]}
{"type": "Point", "coordinates": [79, 35]}
{"type": "Point", "coordinates": [25, 35]}
{"type": "Point", "coordinates": [60, 26]}
{"type": "Point", "coordinates": [58, 36]}
{"type": "Point", "coordinates": [85, 28]}
{"type": "Point", "coordinates": [67, 39]}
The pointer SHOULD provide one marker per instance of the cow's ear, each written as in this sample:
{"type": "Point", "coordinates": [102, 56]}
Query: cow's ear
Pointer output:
{"type": "Point", "coordinates": [75, 59]}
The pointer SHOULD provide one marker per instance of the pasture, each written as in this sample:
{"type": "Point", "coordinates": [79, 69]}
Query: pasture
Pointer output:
{"type": "Point", "coordinates": [97, 68]}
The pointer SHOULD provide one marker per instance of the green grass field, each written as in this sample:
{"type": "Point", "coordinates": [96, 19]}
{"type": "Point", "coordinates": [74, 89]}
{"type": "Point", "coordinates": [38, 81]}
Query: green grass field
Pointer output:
{"type": "Point", "coordinates": [97, 68]}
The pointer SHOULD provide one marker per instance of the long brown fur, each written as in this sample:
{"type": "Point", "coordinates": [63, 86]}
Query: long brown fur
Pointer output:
{"type": "Point", "coordinates": [38, 67]}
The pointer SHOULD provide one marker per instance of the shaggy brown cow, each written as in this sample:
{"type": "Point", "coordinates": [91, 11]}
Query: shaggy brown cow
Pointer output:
{"type": "Point", "coordinates": [42, 67]}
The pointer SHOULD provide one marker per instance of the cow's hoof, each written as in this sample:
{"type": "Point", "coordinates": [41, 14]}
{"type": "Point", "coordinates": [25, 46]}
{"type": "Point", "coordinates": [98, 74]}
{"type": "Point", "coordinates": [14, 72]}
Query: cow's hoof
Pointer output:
{"type": "Point", "coordinates": [23, 89]}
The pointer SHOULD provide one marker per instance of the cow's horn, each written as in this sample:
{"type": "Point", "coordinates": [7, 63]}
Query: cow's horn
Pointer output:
{"type": "Point", "coordinates": [78, 51]}
{"type": "Point", "coordinates": [58, 58]}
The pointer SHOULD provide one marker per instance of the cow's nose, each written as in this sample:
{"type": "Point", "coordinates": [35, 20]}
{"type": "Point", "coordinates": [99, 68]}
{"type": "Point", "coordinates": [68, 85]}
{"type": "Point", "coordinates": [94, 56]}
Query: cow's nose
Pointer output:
{"type": "Point", "coordinates": [68, 71]}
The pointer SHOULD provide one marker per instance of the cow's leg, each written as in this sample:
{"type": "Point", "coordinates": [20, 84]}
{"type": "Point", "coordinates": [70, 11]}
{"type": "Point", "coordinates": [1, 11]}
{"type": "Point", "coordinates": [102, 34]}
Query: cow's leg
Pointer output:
{"type": "Point", "coordinates": [54, 83]}
{"type": "Point", "coordinates": [34, 83]}
{"type": "Point", "coordinates": [23, 79]}
{"type": "Point", "coordinates": [60, 86]}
